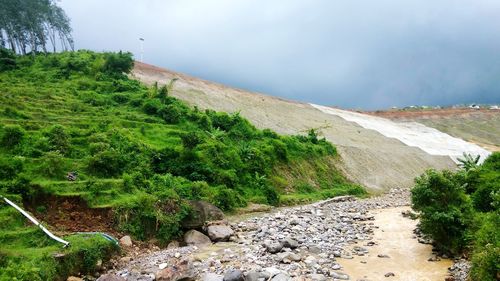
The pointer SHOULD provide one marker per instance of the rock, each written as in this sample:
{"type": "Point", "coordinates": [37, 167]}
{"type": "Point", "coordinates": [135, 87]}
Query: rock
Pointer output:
{"type": "Point", "coordinates": [201, 212]}
{"type": "Point", "coordinates": [219, 232]}
{"type": "Point", "coordinates": [196, 238]}
{"type": "Point", "coordinates": [173, 244]}
{"type": "Point", "coordinates": [252, 275]}
{"type": "Point", "coordinates": [316, 250]}
{"type": "Point", "coordinates": [434, 258]}
{"type": "Point", "coordinates": [317, 277]}
{"type": "Point", "coordinates": [233, 275]}
{"type": "Point", "coordinates": [290, 243]}
{"type": "Point", "coordinates": [384, 256]}
{"type": "Point", "coordinates": [162, 265]}
{"type": "Point", "coordinates": [288, 257]}
{"type": "Point", "coordinates": [126, 241]}
{"type": "Point", "coordinates": [281, 277]}
{"type": "Point", "coordinates": [389, 274]}
{"type": "Point", "coordinates": [74, 278]}
{"type": "Point", "coordinates": [211, 277]}
{"type": "Point", "coordinates": [181, 270]}
{"type": "Point", "coordinates": [125, 259]}
{"type": "Point", "coordinates": [269, 272]}
{"type": "Point", "coordinates": [273, 247]}
{"type": "Point", "coordinates": [339, 275]}
{"type": "Point", "coordinates": [110, 277]}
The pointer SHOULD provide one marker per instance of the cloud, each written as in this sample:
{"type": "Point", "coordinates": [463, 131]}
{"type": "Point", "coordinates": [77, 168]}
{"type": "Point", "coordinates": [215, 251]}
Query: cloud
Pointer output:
{"type": "Point", "coordinates": [354, 54]}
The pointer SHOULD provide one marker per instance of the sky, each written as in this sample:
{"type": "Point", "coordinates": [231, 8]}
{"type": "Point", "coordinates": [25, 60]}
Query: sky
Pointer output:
{"type": "Point", "coordinates": [351, 54]}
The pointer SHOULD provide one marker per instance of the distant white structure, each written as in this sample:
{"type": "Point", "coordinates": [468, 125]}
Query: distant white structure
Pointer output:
{"type": "Point", "coordinates": [413, 134]}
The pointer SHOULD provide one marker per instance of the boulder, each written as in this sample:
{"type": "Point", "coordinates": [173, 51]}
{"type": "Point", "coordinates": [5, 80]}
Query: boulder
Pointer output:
{"type": "Point", "coordinates": [273, 247]}
{"type": "Point", "coordinates": [201, 212]}
{"type": "Point", "coordinates": [290, 243]}
{"type": "Point", "coordinates": [110, 277]}
{"type": "Point", "coordinates": [233, 275]}
{"type": "Point", "coordinates": [219, 232]}
{"type": "Point", "coordinates": [196, 238]}
{"type": "Point", "coordinates": [173, 244]}
{"type": "Point", "coordinates": [126, 241]}
{"type": "Point", "coordinates": [252, 275]}
{"type": "Point", "coordinates": [181, 270]}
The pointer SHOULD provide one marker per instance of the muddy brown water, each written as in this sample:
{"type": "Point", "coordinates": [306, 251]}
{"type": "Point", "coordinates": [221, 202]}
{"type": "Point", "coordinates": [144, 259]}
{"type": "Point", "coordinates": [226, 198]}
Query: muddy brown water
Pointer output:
{"type": "Point", "coordinates": [408, 259]}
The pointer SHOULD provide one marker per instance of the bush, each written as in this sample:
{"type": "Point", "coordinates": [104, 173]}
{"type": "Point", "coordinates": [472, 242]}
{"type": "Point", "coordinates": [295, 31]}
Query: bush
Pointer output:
{"type": "Point", "coordinates": [446, 211]}
{"type": "Point", "coordinates": [170, 113]}
{"type": "Point", "coordinates": [118, 63]}
{"type": "Point", "coordinates": [7, 59]}
{"type": "Point", "coordinates": [109, 163]}
{"type": "Point", "coordinates": [152, 106]}
{"type": "Point", "coordinates": [59, 139]}
{"type": "Point", "coordinates": [52, 165]}
{"type": "Point", "coordinates": [227, 199]}
{"type": "Point", "coordinates": [12, 135]}
{"type": "Point", "coordinates": [9, 168]}
{"type": "Point", "coordinates": [486, 254]}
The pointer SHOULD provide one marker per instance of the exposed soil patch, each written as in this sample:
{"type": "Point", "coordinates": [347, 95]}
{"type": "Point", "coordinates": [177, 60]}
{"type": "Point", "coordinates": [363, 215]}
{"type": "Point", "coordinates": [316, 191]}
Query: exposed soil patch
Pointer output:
{"type": "Point", "coordinates": [71, 214]}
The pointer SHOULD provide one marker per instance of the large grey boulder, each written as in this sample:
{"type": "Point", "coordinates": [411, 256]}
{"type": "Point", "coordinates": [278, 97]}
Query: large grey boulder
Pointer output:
{"type": "Point", "coordinates": [201, 212]}
{"type": "Point", "coordinates": [219, 232]}
{"type": "Point", "coordinates": [196, 238]}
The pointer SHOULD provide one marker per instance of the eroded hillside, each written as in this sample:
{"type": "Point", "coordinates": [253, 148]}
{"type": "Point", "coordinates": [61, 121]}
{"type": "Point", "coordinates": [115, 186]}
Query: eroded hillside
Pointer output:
{"type": "Point", "coordinates": [368, 157]}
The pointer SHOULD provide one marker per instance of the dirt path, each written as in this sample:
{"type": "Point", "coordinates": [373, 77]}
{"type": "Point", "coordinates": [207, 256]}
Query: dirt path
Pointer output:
{"type": "Point", "coordinates": [408, 259]}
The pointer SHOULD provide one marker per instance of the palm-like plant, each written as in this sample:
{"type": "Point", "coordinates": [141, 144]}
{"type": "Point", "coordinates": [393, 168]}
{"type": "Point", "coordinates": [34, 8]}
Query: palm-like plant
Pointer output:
{"type": "Point", "coordinates": [468, 162]}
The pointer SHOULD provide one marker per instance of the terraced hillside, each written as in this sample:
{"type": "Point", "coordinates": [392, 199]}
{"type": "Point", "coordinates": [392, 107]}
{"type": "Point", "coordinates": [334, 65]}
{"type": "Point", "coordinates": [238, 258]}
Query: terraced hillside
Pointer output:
{"type": "Point", "coordinates": [85, 148]}
{"type": "Point", "coordinates": [368, 157]}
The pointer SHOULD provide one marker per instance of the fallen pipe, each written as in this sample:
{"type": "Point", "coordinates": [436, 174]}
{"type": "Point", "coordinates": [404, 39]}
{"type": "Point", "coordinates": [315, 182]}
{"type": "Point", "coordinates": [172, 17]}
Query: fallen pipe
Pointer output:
{"type": "Point", "coordinates": [33, 220]}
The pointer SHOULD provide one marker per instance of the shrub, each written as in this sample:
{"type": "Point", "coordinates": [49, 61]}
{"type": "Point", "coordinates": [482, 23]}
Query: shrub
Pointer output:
{"type": "Point", "coordinates": [52, 165]}
{"type": "Point", "coordinates": [118, 63]}
{"type": "Point", "coordinates": [10, 167]}
{"type": "Point", "coordinates": [7, 59]}
{"type": "Point", "coordinates": [12, 135]}
{"type": "Point", "coordinates": [486, 255]}
{"type": "Point", "coordinates": [152, 106]}
{"type": "Point", "coordinates": [120, 98]}
{"type": "Point", "coordinates": [446, 211]}
{"type": "Point", "coordinates": [109, 163]}
{"type": "Point", "coordinates": [191, 140]}
{"type": "Point", "coordinates": [227, 199]}
{"type": "Point", "coordinates": [170, 113]}
{"type": "Point", "coordinates": [59, 139]}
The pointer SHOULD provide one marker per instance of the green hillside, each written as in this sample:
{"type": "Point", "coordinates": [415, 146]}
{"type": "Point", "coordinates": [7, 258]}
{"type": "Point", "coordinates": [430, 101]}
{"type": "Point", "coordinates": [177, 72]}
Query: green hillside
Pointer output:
{"type": "Point", "coordinates": [137, 154]}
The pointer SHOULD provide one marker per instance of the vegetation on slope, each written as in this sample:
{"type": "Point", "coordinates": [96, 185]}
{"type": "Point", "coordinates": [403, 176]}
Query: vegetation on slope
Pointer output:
{"type": "Point", "coordinates": [460, 211]}
{"type": "Point", "coordinates": [136, 151]}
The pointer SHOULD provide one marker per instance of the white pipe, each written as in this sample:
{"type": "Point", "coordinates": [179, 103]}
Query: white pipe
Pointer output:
{"type": "Point", "coordinates": [33, 220]}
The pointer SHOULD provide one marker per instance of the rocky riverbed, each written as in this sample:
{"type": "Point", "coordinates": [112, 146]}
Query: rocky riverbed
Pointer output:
{"type": "Point", "coordinates": [319, 241]}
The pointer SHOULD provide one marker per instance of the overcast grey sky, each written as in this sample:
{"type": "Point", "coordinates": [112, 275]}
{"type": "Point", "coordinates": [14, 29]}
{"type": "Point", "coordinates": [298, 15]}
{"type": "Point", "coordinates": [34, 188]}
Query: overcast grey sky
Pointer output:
{"type": "Point", "coordinates": [353, 54]}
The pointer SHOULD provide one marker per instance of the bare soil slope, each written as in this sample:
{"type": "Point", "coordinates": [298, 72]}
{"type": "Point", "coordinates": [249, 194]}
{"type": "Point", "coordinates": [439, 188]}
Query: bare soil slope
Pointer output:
{"type": "Point", "coordinates": [368, 157]}
{"type": "Point", "coordinates": [480, 126]}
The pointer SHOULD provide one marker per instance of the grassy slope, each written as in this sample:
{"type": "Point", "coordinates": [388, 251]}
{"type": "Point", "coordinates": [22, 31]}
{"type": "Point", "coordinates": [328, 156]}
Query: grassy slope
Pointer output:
{"type": "Point", "coordinates": [137, 152]}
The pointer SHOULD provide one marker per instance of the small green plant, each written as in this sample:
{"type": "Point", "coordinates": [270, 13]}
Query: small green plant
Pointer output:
{"type": "Point", "coordinates": [468, 162]}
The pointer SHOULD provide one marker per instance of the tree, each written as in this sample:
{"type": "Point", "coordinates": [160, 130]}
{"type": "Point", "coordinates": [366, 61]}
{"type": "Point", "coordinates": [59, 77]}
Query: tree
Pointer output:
{"type": "Point", "coordinates": [446, 211]}
{"type": "Point", "coordinates": [28, 25]}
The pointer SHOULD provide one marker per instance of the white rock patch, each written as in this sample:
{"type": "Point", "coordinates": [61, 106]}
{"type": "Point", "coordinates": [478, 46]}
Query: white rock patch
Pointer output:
{"type": "Point", "coordinates": [413, 134]}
